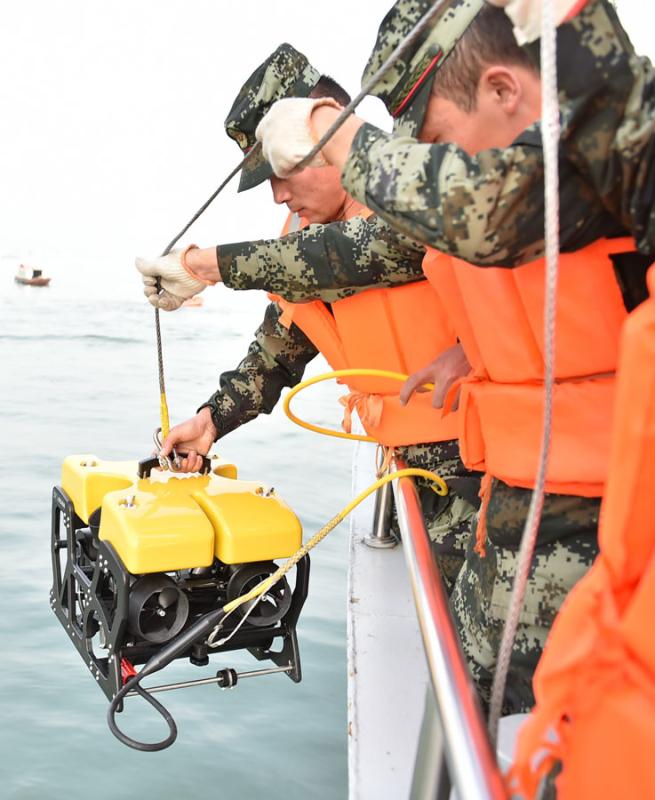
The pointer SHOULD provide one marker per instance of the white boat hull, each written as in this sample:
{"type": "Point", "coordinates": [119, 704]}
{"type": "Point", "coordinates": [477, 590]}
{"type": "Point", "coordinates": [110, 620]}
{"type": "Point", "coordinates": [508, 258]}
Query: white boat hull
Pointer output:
{"type": "Point", "coordinates": [387, 672]}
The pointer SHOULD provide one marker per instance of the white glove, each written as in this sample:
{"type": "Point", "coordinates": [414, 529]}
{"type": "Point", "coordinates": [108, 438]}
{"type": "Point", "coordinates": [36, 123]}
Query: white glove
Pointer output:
{"type": "Point", "coordinates": [526, 15]}
{"type": "Point", "coordinates": [286, 133]}
{"type": "Point", "coordinates": [177, 283]}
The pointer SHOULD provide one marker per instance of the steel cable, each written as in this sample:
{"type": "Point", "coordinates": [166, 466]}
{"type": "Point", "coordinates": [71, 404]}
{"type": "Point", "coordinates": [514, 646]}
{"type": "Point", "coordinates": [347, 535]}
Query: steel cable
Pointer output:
{"type": "Point", "coordinates": [163, 410]}
{"type": "Point", "coordinates": [440, 7]}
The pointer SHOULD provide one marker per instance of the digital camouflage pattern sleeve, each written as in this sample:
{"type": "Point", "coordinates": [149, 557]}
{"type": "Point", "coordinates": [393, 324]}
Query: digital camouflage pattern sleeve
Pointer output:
{"type": "Point", "coordinates": [487, 209]}
{"type": "Point", "coordinates": [607, 94]}
{"type": "Point", "coordinates": [324, 262]}
{"type": "Point", "coordinates": [276, 358]}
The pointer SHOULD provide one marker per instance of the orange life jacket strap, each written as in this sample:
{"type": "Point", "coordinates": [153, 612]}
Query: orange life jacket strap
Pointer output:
{"type": "Point", "coordinates": [481, 529]}
{"type": "Point", "coordinates": [369, 409]}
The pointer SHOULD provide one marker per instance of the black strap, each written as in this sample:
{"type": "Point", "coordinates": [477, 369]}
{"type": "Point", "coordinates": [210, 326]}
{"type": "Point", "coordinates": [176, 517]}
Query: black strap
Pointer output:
{"type": "Point", "coordinates": [630, 270]}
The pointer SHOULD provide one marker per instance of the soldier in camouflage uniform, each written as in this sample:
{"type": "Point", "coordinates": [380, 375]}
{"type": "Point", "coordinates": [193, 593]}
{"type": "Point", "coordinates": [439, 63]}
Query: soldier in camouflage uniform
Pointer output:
{"type": "Point", "coordinates": [486, 208]}
{"type": "Point", "coordinates": [279, 354]}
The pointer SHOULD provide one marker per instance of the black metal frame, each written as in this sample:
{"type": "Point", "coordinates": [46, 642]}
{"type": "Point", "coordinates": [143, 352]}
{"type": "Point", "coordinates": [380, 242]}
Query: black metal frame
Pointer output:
{"type": "Point", "coordinates": [90, 594]}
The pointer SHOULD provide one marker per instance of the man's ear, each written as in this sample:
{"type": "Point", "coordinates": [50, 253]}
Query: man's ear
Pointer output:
{"type": "Point", "coordinates": [502, 87]}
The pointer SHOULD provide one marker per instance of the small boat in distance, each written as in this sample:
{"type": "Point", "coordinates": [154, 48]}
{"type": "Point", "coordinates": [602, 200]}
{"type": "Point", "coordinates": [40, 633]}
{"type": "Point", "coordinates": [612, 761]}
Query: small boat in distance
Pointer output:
{"type": "Point", "coordinates": [31, 277]}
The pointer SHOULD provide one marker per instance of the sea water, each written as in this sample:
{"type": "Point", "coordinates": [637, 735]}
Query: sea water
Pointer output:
{"type": "Point", "coordinates": [79, 375]}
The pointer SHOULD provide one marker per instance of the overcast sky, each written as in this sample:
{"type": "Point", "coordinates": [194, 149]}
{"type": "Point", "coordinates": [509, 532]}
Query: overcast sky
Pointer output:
{"type": "Point", "coordinates": [112, 113]}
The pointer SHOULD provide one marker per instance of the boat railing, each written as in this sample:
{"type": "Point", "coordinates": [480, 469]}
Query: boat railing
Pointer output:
{"type": "Point", "coordinates": [454, 723]}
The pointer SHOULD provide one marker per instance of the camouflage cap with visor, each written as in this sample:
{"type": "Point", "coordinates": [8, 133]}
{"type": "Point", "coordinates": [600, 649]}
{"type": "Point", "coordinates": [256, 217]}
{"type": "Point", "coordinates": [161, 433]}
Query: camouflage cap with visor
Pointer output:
{"type": "Point", "coordinates": [405, 89]}
{"type": "Point", "coordinates": [285, 73]}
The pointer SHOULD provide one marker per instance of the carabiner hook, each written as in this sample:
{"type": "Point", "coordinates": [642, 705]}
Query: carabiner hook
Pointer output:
{"type": "Point", "coordinates": [172, 464]}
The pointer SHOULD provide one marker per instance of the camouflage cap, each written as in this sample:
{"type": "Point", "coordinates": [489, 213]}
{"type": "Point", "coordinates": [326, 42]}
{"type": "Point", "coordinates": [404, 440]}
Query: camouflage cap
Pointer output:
{"type": "Point", "coordinates": [405, 89]}
{"type": "Point", "coordinates": [285, 73]}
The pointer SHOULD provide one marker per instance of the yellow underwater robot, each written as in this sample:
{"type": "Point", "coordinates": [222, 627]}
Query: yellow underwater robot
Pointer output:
{"type": "Point", "coordinates": [145, 561]}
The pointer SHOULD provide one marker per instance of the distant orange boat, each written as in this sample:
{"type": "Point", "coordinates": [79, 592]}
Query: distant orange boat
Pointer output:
{"type": "Point", "coordinates": [31, 277]}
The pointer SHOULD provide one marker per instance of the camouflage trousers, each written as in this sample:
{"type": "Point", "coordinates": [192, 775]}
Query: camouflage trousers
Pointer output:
{"type": "Point", "coordinates": [566, 546]}
{"type": "Point", "coordinates": [447, 519]}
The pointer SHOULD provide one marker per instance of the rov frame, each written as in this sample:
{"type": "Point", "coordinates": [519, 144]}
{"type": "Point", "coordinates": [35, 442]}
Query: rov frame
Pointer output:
{"type": "Point", "coordinates": [91, 598]}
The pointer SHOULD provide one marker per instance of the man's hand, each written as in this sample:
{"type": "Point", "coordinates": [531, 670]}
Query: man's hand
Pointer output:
{"type": "Point", "coordinates": [177, 282]}
{"type": "Point", "coordinates": [286, 133]}
{"type": "Point", "coordinates": [526, 15]}
{"type": "Point", "coordinates": [193, 437]}
{"type": "Point", "coordinates": [448, 367]}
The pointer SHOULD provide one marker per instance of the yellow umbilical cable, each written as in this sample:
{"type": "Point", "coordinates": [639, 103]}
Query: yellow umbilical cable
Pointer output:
{"type": "Point", "coordinates": [163, 405]}
{"type": "Point", "coordinates": [339, 373]}
{"type": "Point", "coordinates": [163, 415]}
{"type": "Point", "coordinates": [439, 486]}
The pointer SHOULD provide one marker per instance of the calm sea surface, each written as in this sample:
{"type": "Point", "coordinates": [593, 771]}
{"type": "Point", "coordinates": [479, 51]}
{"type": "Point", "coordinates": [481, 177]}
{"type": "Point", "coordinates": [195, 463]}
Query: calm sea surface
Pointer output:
{"type": "Point", "coordinates": [79, 376]}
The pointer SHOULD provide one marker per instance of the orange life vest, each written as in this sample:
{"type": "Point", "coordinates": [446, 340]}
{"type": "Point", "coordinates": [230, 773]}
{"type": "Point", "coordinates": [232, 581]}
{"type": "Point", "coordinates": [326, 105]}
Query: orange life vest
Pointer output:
{"type": "Point", "coordinates": [400, 329]}
{"type": "Point", "coordinates": [595, 684]}
{"type": "Point", "coordinates": [498, 317]}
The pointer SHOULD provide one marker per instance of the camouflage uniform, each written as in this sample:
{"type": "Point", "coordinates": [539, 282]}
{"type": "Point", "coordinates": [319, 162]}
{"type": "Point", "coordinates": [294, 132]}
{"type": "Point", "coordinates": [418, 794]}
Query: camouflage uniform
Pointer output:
{"type": "Point", "coordinates": [608, 104]}
{"type": "Point", "coordinates": [278, 355]}
{"type": "Point", "coordinates": [324, 262]}
{"type": "Point", "coordinates": [488, 209]}
{"type": "Point", "coordinates": [447, 519]}
{"type": "Point", "coordinates": [276, 358]}
{"type": "Point", "coordinates": [567, 544]}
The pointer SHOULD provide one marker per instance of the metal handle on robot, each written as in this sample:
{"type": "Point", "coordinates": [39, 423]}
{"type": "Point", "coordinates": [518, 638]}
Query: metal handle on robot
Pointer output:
{"type": "Point", "coordinates": [146, 465]}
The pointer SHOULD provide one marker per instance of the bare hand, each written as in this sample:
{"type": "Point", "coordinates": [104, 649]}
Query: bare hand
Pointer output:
{"type": "Point", "coordinates": [193, 437]}
{"type": "Point", "coordinates": [448, 367]}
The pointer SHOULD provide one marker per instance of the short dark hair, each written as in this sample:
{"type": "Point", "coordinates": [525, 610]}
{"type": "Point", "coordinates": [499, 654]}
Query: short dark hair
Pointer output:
{"type": "Point", "coordinates": [488, 40]}
{"type": "Point", "coordinates": [328, 87]}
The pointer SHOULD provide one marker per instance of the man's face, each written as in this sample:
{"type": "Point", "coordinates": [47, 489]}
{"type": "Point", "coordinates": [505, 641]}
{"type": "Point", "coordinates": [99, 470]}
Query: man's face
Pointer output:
{"type": "Point", "coordinates": [314, 193]}
{"type": "Point", "coordinates": [508, 101]}
{"type": "Point", "coordinates": [446, 123]}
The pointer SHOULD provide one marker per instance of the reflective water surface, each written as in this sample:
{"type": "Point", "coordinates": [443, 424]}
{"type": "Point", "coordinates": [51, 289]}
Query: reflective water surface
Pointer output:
{"type": "Point", "coordinates": [79, 376]}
